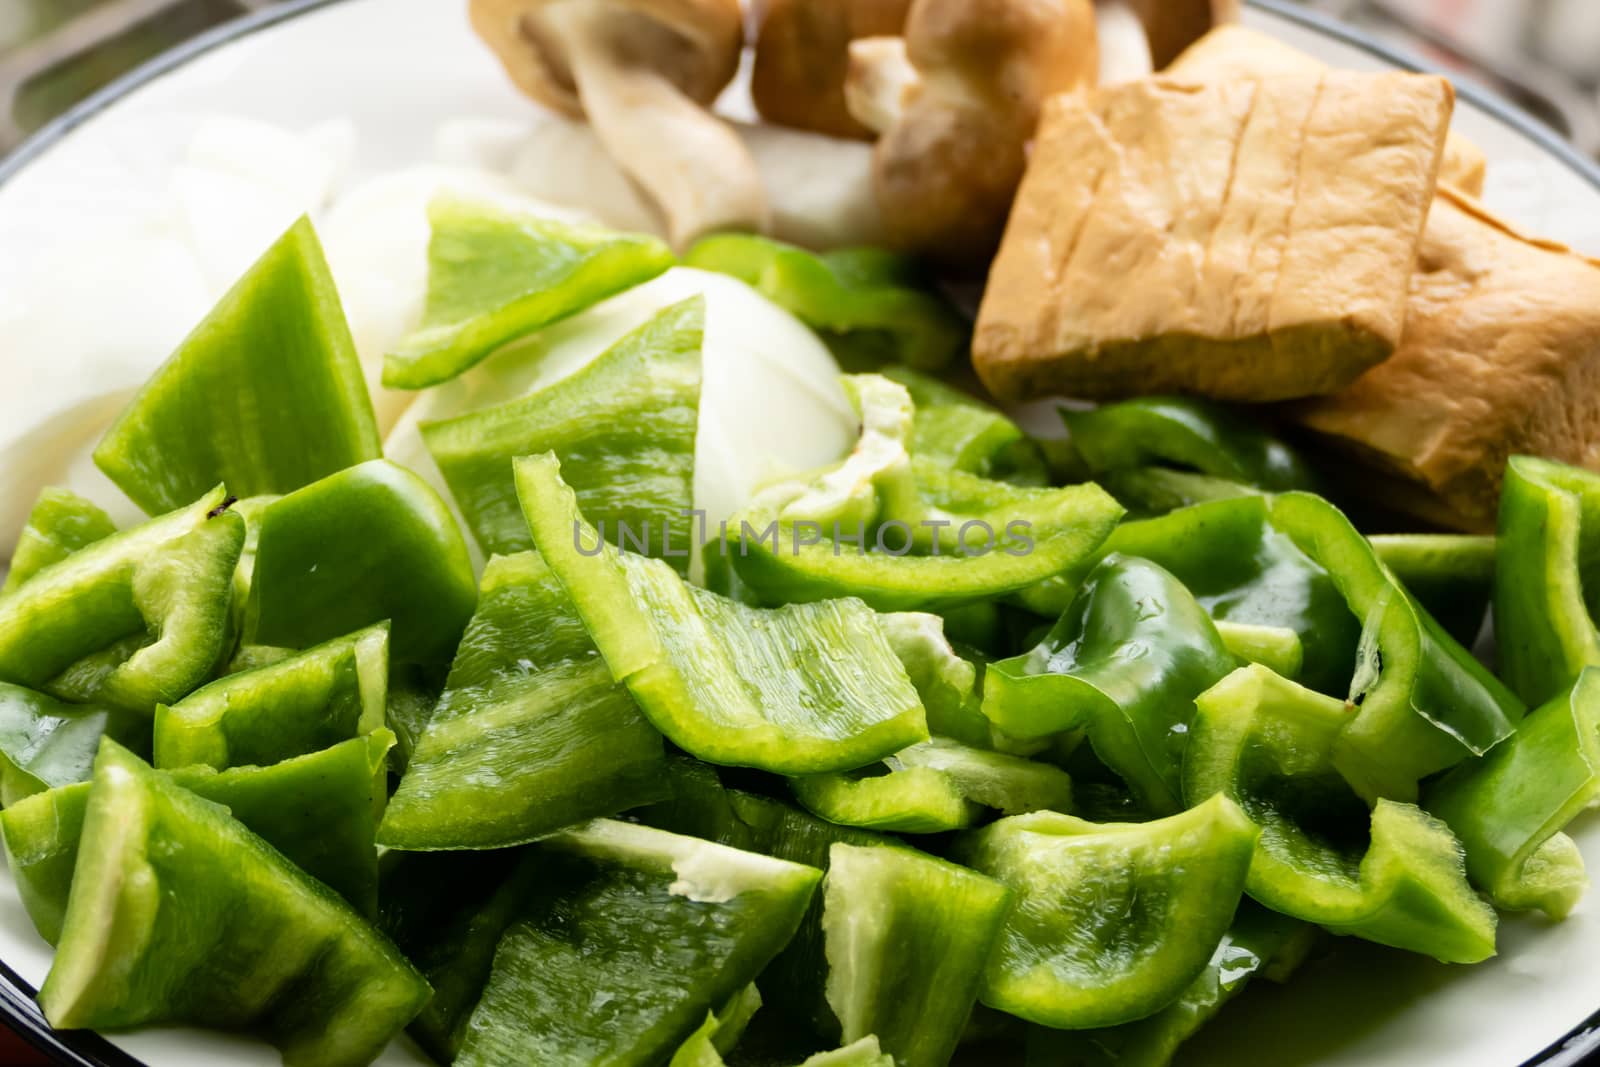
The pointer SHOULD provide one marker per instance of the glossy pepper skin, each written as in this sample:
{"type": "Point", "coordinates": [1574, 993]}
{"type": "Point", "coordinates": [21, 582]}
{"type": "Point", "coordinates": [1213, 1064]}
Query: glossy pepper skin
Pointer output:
{"type": "Point", "coordinates": [180, 914]}
{"type": "Point", "coordinates": [46, 743]}
{"type": "Point", "coordinates": [266, 394]}
{"type": "Point", "coordinates": [495, 275]}
{"type": "Point", "coordinates": [1425, 703]}
{"type": "Point", "coordinates": [327, 831]}
{"type": "Point", "coordinates": [298, 704]}
{"type": "Point", "coordinates": [1187, 433]}
{"type": "Point", "coordinates": [1163, 893]}
{"type": "Point", "coordinates": [803, 689]}
{"type": "Point", "coordinates": [369, 543]}
{"type": "Point", "coordinates": [870, 303]}
{"type": "Point", "coordinates": [60, 523]}
{"type": "Point", "coordinates": [666, 927]}
{"type": "Point", "coordinates": [531, 734]}
{"type": "Point", "coordinates": [1392, 875]}
{"type": "Point", "coordinates": [1451, 575]}
{"type": "Point", "coordinates": [1545, 580]}
{"type": "Point", "coordinates": [624, 427]}
{"type": "Point", "coordinates": [907, 937]}
{"type": "Point", "coordinates": [133, 620]}
{"type": "Point", "coordinates": [1124, 662]}
{"type": "Point", "coordinates": [1509, 807]}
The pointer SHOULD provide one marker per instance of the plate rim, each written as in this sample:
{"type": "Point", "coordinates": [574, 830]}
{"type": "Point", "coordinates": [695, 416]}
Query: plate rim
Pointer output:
{"type": "Point", "coordinates": [87, 1048]}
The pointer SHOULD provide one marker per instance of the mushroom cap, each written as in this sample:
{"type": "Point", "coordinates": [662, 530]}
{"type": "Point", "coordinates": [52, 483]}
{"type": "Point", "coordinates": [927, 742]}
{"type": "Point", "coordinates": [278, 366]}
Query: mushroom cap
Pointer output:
{"type": "Point", "coordinates": [695, 44]}
{"type": "Point", "coordinates": [947, 171]}
{"type": "Point", "coordinates": [803, 56]}
{"type": "Point", "coordinates": [1173, 25]}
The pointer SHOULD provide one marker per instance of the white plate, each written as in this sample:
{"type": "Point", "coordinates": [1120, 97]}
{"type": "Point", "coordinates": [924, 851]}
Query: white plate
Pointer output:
{"type": "Point", "coordinates": [398, 69]}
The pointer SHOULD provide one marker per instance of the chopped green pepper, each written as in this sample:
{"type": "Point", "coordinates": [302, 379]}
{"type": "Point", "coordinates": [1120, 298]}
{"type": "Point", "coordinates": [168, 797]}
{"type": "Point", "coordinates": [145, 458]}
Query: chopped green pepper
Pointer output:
{"type": "Point", "coordinates": [1148, 492]}
{"type": "Point", "coordinates": [624, 428]}
{"type": "Point", "coordinates": [803, 689]}
{"type": "Point", "coordinates": [630, 936]}
{"type": "Point", "coordinates": [531, 734]}
{"type": "Point", "coordinates": [720, 1032]}
{"type": "Point", "coordinates": [496, 275]}
{"type": "Point", "coordinates": [956, 429]}
{"type": "Point", "coordinates": [1259, 942]}
{"type": "Point", "coordinates": [45, 743]}
{"type": "Point", "coordinates": [301, 703]}
{"type": "Point", "coordinates": [60, 523]}
{"type": "Point", "coordinates": [1275, 647]}
{"type": "Point", "coordinates": [1125, 662]}
{"type": "Point", "coordinates": [946, 681]}
{"type": "Point", "coordinates": [133, 620]}
{"type": "Point", "coordinates": [1508, 808]}
{"type": "Point", "coordinates": [1545, 584]}
{"type": "Point", "coordinates": [934, 786]}
{"type": "Point", "coordinates": [863, 1053]}
{"type": "Point", "coordinates": [370, 543]}
{"type": "Point", "coordinates": [327, 832]}
{"type": "Point", "coordinates": [866, 298]}
{"type": "Point", "coordinates": [1112, 921]}
{"type": "Point", "coordinates": [1452, 575]}
{"type": "Point", "coordinates": [1185, 432]}
{"type": "Point", "coordinates": [1424, 703]}
{"type": "Point", "coordinates": [180, 914]}
{"type": "Point", "coordinates": [266, 394]}
{"type": "Point", "coordinates": [1394, 876]}
{"type": "Point", "coordinates": [907, 938]}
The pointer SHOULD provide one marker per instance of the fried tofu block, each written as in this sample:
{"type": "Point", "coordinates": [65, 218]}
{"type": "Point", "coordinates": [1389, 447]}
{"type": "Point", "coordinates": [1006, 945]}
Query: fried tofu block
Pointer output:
{"type": "Point", "coordinates": [1501, 356]}
{"type": "Point", "coordinates": [1231, 52]}
{"type": "Point", "coordinates": [1248, 240]}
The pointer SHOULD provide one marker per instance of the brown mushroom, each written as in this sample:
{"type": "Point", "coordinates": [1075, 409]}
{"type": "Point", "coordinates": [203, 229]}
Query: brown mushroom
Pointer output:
{"type": "Point", "coordinates": [957, 111]}
{"type": "Point", "coordinates": [1173, 25]}
{"type": "Point", "coordinates": [803, 54]}
{"type": "Point", "coordinates": [644, 72]}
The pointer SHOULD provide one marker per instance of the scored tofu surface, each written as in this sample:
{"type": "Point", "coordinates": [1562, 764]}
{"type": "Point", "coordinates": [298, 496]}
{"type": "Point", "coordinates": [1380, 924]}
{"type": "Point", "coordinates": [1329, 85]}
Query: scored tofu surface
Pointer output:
{"type": "Point", "coordinates": [1247, 240]}
{"type": "Point", "coordinates": [1501, 356]}
{"type": "Point", "coordinates": [1229, 53]}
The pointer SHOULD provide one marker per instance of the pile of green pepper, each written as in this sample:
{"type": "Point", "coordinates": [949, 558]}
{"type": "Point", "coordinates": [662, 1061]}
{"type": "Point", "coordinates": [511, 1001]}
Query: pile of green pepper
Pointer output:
{"type": "Point", "coordinates": [920, 759]}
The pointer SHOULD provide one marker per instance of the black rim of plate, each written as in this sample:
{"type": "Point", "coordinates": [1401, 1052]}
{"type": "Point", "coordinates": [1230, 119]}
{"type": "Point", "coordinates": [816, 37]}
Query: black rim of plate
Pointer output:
{"type": "Point", "coordinates": [88, 1049]}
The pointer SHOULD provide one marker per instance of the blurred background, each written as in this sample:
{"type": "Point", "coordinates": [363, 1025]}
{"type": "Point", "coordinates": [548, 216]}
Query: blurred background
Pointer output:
{"type": "Point", "coordinates": [1543, 54]}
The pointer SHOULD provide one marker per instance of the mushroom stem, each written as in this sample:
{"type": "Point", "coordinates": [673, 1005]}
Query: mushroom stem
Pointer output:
{"type": "Point", "coordinates": [691, 164]}
{"type": "Point", "coordinates": [1124, 48]}
{"type": "Point", "coordinates": [881, 78]}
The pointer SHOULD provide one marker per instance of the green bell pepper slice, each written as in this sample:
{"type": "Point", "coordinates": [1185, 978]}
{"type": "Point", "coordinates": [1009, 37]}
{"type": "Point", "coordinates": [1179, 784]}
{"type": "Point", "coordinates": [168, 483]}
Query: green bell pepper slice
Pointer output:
{"type": "Point", "coordinates": [1545, 584]}
{"type": "Point", "coordinates": [327, 830]}
{"type": "Point", "coordinates": [531, 734]}
{"type": "Point", "coordinates": [1113, 921]}
{"type": "Point", "coordinates": [1184, 432]}
{"type": "Point", "coordinates": [864, 1053]}
{"type": "Point", "coordinates": [870, 302]}
{"type": "Point", "coordinates": [1149, 492]}
{"type": "Point", "coordinates": [803, 689]}
{"type": "Point", "coordinates": [45, 743]}
{"type": "Point", "coordinates": [178, 913]}
{"type": "Point", "coordinates": [302, 703]}
{"type": "Point", "coordinates": [133, 620]}
{"type": "Point", "coordinates": [627, 940]}
{"type": "Point", "coordinates": [1451, 575]}
{"type": "Point", "coordinates": [1393, 876]}
{"type": "Point", "coordinates": [60, 523]}
{"type": "Point", "coordinates": [1125, 662]}
{"type": "Point", "coordinates": [907, 937]}
{"type": "Point", "coordinates": [446, 912]}
{"type": "Point", "coordinates": [946, 681]}
{"type": "Point", "coordinates": [1277, 648]}
{"type": "Point", "coordinates": [955, 429]}
{"type": "Point", "coordinates": [1244, 572]}
{"type": "Point", "coordinates": [1508, 808]}
{"type": "Point", "coordinates": [370, 543]}
{"type": "Point", "coordinates": [720, 1033]}
{"type": "Point", "coordinates": [1259, 943]}
{"type": "Point", "coordinates": [266, 395]}
{"type": "Point", "coordinates": [1425, 703]}
{"type": "Point", "coordinates": [496, 275]}
{"type": "Point", "coordinates": [935, 786]}
{"type": "Point", "coordinates": [624, 428]}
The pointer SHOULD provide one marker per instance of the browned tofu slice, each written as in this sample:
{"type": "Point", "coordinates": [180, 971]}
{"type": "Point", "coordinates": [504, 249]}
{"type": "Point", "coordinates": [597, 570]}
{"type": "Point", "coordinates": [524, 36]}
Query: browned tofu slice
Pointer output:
{"type": "Point", "coordinates": [1231, 52]}
{"type": "Point", "coordinates": [1501, 356]}
{"type": "Point", "coordinates": [1248, 240]}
